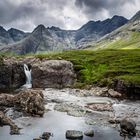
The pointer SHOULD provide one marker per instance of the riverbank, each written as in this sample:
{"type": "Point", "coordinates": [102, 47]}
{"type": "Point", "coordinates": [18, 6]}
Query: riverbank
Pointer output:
{"type": "Point", "coordinates": [116, 69]}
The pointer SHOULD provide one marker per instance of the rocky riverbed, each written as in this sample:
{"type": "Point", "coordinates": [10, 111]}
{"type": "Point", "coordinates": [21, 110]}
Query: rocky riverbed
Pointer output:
{"type": "Point", "coordinates": [74, 109]}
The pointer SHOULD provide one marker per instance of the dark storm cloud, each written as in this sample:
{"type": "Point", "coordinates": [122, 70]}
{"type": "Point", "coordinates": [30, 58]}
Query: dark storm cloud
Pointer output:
{"type": "Point", "coordinates": [26, 14]}
{"type": "Point", "coordinates": [11, 12]}
{"type": "Point", "coordinates": [99, 4]}
{"type": "Point", "coordinates": [96, 8]}
{"type": "Point", "coordinates": [67, 14]}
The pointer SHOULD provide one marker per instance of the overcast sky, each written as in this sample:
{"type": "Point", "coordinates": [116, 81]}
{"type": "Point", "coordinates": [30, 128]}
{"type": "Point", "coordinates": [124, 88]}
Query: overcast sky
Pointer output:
{"type": "Point", "coordinates": [66, 14]}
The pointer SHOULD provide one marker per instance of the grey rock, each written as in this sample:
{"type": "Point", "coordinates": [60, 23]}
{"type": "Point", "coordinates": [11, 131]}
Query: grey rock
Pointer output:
{"type": "Point", "coordinates": [128, 126]}
{"type": "Point", "coordinates": [114, 94]}
{"type": "Point", "coordinates": [53, 73]}
{"type": "Point", "coordinates": [46, 135]}
{"type": "Point", "coordinates": [73, 134]}
{"type": "Point", "coordinates": [89, 133]}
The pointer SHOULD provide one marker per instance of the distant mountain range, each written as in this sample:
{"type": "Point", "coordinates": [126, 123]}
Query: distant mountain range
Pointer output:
{"type": "Point", "coordinates": [94, 34]}
{"type": "Point", "coordinates": [125, 37]}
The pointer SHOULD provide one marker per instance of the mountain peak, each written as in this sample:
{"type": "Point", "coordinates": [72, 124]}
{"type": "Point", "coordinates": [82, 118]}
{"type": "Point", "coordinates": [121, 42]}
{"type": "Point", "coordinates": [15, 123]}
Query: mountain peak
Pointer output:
{"type": "Point", "coordinates": [13, 30]}
{"type": "Point", "coordinates": [2, 29]}
{"type": "Point", "coordinates": [116, 18]}
{"type": "Point", "coordinates": [135, 17]}
{"type": "Point", "coordinates": [40, 27]}
{"type": "Point", "coordinates": [3, 32]}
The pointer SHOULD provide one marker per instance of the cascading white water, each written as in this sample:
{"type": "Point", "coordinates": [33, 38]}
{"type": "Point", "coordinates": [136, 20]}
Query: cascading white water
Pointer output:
{"type": "Point", "coordinates": [28, 77]}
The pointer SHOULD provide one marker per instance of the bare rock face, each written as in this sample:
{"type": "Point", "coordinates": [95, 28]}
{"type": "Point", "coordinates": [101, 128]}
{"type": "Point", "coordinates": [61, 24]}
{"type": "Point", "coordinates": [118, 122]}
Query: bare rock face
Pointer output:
{"type": "Point", "coordinates": [11, 76]}
{"type": "Point", "coordinates": [45, 73]}
{"type": "Point", "coordinates": [30, 101]}
{"type": "Point", "coordinates": [53, 73]}
{"type": "Point", "coordinates": [128, 90]}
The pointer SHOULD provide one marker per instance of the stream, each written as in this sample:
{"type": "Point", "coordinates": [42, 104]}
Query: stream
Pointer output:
{"type": "Point", "coordinates": [72, 109]}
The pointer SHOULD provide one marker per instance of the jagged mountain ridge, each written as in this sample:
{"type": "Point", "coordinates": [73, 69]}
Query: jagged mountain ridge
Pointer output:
{"type": "Point", "coordinates": [125, 37]}
{"type": "Point", "coordinates": [54, 39]}
{"type": "Point", "coordinates": [92, 31]}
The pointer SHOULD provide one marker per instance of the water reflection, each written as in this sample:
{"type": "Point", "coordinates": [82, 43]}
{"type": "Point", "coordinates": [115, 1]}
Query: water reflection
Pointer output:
{"type": "Point", "coordinates": [57, 123]}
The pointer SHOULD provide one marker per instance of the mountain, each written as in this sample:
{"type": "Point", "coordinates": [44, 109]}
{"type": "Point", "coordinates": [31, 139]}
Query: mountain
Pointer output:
{"type": "Point", "coordinates": [92, 31]}
{"type": "Point", "coordinates": [125, 37]}
{"type": "Point", "coordinates": [55, 39]}
{"type": "Point", "coordinates": [17, 35]}
{"type": "Point", "coordinates": [11, 36]}
{"type": "Point", "coordinates": [5, 38]}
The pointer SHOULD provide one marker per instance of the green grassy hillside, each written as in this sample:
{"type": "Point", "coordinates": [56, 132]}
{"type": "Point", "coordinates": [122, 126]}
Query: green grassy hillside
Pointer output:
{"type": "Point", "coordinates": [101, 67]}
{"type": "Point", "coordinates": [129, 41]}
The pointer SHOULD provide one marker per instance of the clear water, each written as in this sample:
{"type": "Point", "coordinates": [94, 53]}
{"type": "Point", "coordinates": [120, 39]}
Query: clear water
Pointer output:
{"type": "Point", "coordinates": [59, 122]}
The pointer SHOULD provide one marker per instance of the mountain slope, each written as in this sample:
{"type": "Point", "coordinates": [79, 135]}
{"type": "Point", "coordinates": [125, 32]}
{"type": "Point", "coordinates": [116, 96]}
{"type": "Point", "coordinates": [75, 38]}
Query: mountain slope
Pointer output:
{"type": "Point", "coordinates": [17, 35]}
{"type": "Point", "coordinates": [125, 37]}
{"type": "Point", "coordinates": [92, 31]}
{"type": "Point", "coordinates": [55, 39]}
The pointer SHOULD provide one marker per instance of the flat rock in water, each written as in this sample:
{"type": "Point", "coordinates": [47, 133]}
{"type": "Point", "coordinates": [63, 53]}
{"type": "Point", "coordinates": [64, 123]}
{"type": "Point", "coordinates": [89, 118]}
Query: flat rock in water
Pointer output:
{"type": "Point", "coordinates": [100, 106]}
{"type": "Point", "coordinates": [73, 134]}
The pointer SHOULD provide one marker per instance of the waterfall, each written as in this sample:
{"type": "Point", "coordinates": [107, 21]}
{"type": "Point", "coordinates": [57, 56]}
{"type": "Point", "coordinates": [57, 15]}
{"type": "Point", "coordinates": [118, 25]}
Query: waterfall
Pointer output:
{"type": "Point", "coordinates": [28, 77]}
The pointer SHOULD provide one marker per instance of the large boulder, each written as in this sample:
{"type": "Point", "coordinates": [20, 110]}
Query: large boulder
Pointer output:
{"type": "Point", "coordinates": [53, 73]}
{"type": "Point", "coordinates": [30, 101]}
